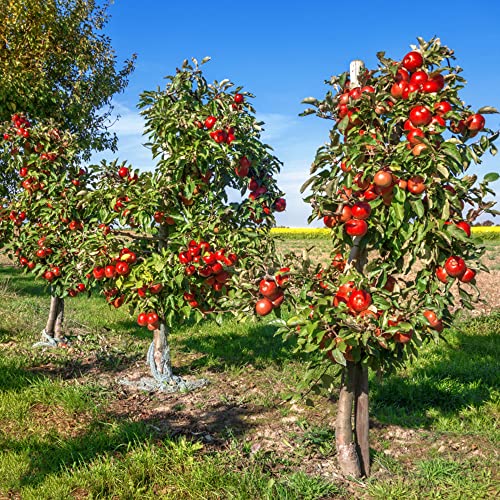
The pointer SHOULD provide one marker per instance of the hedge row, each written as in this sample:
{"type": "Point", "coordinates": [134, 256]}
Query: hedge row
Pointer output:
{"type": "Point", "coordinates": [303, 233]}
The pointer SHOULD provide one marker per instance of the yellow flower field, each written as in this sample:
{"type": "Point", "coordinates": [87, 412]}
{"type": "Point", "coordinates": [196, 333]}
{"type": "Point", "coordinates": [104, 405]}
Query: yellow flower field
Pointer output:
{"type": "Point", "coordinates": [304, 233]}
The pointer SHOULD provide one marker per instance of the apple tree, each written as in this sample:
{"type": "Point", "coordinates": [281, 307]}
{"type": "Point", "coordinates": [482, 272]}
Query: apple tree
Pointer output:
{"type": "Point", "coordinates": [45, 224]}
{"type": "Point", "coordinates": [189, 240]}
{"type": "Point", "coordinates": [392, 183]}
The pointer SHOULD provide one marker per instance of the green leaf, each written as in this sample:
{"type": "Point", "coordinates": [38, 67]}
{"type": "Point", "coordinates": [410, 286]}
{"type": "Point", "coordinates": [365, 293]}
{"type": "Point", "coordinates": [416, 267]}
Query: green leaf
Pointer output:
{"type": "Point", "coordinates": [491, 177]}
{"type": "Point", "coordinates": [307, 184]}
{"type": "Point", "coordinates": [310, 100]}
{"type": "Point", "coordinates": [418, 207]}
{"type": "Point", "coordinates": [487, 110]}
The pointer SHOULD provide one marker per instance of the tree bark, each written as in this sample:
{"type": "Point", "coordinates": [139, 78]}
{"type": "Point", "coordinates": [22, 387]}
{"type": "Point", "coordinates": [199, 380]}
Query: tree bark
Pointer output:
{"type": "Point", "coordinates": [58, 327]}
{"type": "Point", "coordinates": [362, 424]}
{"type": "Point", "coordinates": [345, 443]}
{"type": "Point", "coordinates": [161, 354]}
{"type": "Point", "coordinates": [51, 320]}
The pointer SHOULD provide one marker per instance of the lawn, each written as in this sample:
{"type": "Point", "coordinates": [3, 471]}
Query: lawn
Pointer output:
{"type": "Point", "coordinates": [69, 429]}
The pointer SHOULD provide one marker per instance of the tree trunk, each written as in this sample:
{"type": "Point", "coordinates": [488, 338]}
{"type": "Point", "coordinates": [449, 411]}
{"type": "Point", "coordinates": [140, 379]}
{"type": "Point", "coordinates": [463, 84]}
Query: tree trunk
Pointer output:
{"type": "Point", "coordinates": [160, 361]}
{"type": "Point", "coordinates": [55, 320]}
{"type": "Point", "coordinates": [58, 327]}
{"type": "Point", "coordinates": [361, 411]}
{"type": "Point", "coordinates": [346, 446]}
{"type": "Point", "coordinates": [352, 425]}
{"type": "Point", "coordinates": [51, 320]}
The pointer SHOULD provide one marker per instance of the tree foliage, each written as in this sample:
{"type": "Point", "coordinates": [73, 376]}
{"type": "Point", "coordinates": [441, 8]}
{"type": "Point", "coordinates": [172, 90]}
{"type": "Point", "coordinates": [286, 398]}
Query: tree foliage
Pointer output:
{"type": "Point", "coordinates": [392, 183]}
{"type": "Point", "coordinates": [56, 63]}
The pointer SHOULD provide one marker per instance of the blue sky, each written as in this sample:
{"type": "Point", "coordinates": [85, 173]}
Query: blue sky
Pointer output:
{"type": "Point", "coordinates": [283, 51]}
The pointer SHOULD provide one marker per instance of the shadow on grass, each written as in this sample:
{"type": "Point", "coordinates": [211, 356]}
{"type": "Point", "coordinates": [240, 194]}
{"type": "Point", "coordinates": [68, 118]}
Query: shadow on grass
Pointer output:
{"type": "Point", "coordinates": [22, 284]}
{"type": "Point", "coordinates": [114, 434]}
{"type": "Point", "coordinates": [458, 377]}
{"type": "Point", "coordinates": [13, 377]}
{"type": "Point", "coordinates": [254, 345]}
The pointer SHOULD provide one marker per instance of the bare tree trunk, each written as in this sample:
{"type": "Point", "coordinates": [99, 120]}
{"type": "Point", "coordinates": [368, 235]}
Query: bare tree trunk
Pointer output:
{"type": "Point", "coordinates": [346, 446]}
{"type": "Point", "coordinates": [51, 320]}
{"type": "Point", "coordinates": [362, 425]}
{"type": "Point", "coordinates": [161, 364]}
{"type": "Point", "coordinates": [58, 327]}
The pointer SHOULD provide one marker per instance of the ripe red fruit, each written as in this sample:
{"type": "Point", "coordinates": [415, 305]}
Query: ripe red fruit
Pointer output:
{"type": "Point", "coordinates": [210, 121]}
{"type": "Point", "coordinates": [253, 185]}
{"type": "Point", "coordinates": [382, 178]}
{"type": "Point", "coordinates": [346, 213]}
{"type": "Point", "coordinates": [244, 167]}
{"type": "Point", "coordinates": [128, 256]}
{"type": "Point", "coordinates": [370, 194]}
{"type": "Point", "coordinates": [431, 317]}
{"type": "Point", "coordinates": [420, 115]}
{"type": "Point", "coordinates": [23, 261]}
{"type": "Point", "coordinates": [402, 75]}
{"type": "Point", "coordinates": [110, 271]}
{"type": "Point", "coordinates": [279, 299]}
{"type": "Point", "coordinates": [416, 184]}
{"type": "Point", "coordinates": [412, 61]}
{"type": "Point", "coordinates": [468, 275]}
{"type": "Point", "coordinates": [431, 86]}
{"type": "Point", "coordinates": [282, 275]}
{"type": "Point", "coordinates": [397, 89]}
{"type": "Point", "coordinates": [437, 121]}
{"type": "Point", "coordinates": [455, 266]}
{"type": "Point", "coordinates": [464, 226]}
{"type": "Point", "coordinates": [329, 220]}
{"type": "Point", "coordinates": [403, 337]}
{"type": "Point", "coordinates": [338, 262]}
{"type": "Point", "coordinates": [280, 205]}
{"type": "Point", "coordinates": [217, 268]}
{"type": "Point", "coordinates": [81, 287]}
{"type": "Point", "coordinates": [156, 288]}
{"type": "Point", "coordinates": [152, 318]}
{"type": "Point", "coordinates": [475, 122]}
{"type": "Point", "coordinates": [142, 319]}
{"type": "Point", "coordinates": [122, 268]}
{"type": "Point", "coordinates": [185, 258]}
{"type": "Point", "coordinates": [414, 136]}
{"type": "Point", "coordinates": [209, 258]}
{"type": "Point", "coordinates": [360, 182]}
{"type": "Point", "coordinates": [98, 273]}
{"type": "Point", "coordinates": [442, 275]}
{"type": "Point", "coordinates": [361, 210]}
{"type": "Point", "coordinates": [222, 277]}
{"type": "Point", "coordinates": [442, 108]}
{"type": "Point", "coordinates": [438, 79]}
{"type": "Point", "coordinates": [49, 276]}
{"type": "Point", "coordinates": [158, 216]}
{"type": "Point", "coordinates": [41, 253]}
{"type": "Point", "coordinates": [390, 284]}
{"type": "Point", "coordinates": [205, 271]}
{"type": "Point", "coordinates": [123, 172]}
{"type": "Point", "coordinates": [356, 227]}
{"type": "Point", "coordinates": [269, 289]}
{"type": "Point", "coordinates": [56, 270]}
{"type": "Point", "coordinates": [419, 77]}
{"type": "Point", "coordinates": [359, 300]}
{"type": "Point", "coordinates": [263, 307]}
{"type": "Point", "coordinates": [238, 98]}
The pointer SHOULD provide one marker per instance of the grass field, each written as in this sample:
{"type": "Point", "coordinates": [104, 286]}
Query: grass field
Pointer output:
{"type": "Point", "coordinates": [68, 429]}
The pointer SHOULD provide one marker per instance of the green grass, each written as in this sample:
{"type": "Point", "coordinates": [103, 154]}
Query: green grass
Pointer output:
{"type": "Point", "coordinates": [67, 432]}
